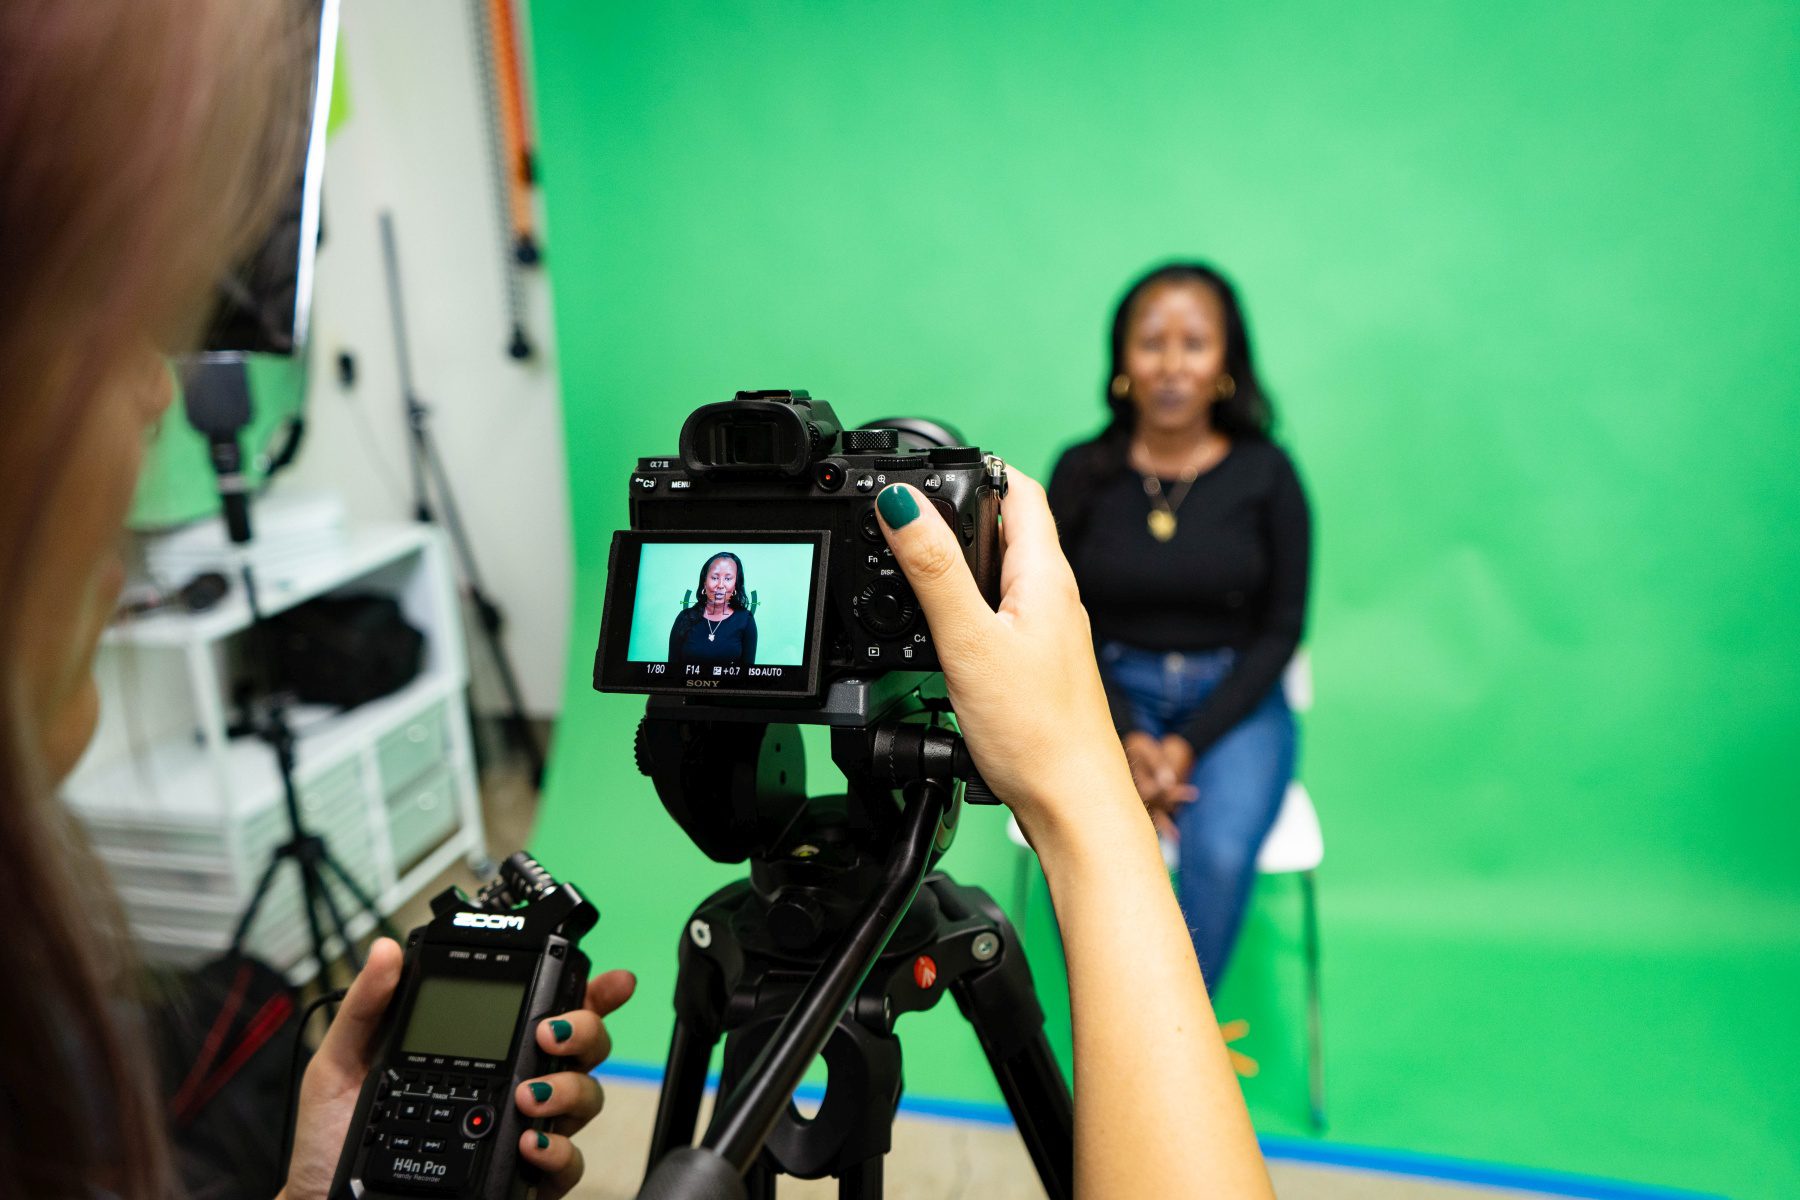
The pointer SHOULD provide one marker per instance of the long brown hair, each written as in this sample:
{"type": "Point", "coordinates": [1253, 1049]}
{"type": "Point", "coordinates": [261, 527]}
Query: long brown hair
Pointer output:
{"type": "Point", "coordinates": [138, 147]}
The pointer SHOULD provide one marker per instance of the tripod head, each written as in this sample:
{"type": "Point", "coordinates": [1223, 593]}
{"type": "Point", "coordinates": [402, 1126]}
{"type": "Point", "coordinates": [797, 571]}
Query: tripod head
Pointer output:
{"type": "Point", "coordinates": [734, 779]}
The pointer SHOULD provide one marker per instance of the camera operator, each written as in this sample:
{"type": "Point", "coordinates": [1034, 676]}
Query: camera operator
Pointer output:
{"type": "Point", "coordinates": [133, 144]}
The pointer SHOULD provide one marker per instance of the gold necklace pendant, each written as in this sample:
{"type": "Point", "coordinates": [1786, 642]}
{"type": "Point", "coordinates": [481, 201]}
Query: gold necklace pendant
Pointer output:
{"type": "Point", "coordinates": [1162, 524]}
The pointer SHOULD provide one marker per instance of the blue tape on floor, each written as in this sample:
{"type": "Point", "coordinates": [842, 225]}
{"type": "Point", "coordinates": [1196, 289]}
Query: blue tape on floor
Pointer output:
{"type": "Point", "coordinates": [1460, 1170]}
{"type": "Point", "coordinates": [1280, 1149]}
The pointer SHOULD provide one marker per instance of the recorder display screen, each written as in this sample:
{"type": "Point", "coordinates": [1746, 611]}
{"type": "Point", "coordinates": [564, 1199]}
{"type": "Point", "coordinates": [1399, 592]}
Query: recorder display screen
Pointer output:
{"type": "Point", "coordinates": [459, 1017]}
{"type": "Point", "coordinates": [725, 613]}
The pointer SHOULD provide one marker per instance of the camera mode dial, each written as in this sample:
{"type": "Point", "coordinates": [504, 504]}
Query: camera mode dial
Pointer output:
{"type": "Point", "coordinates": [886, 606]}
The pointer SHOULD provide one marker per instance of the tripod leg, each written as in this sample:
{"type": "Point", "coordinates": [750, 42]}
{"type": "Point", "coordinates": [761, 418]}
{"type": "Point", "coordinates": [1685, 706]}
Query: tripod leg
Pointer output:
{"type": "Point", "coordinates": [363, 903]}
{"type": "Point", "coordinates": [1315, 1050]}
{"type": "Point", "coordinates": [1002, 1006]}
{"type": "Point", "coordinates": [486, 611]}
{"type": "Point", "coordinates": [759, 1181]}
{"type": "Point", "coordinates": [861, 1182]}
{"type": "Point", "coordinates": [684, 1083]}
{"type": "Point", "coordinates": [309, 901]}
{"type": "Point", "coordinates": [242, 933]}
{"type": "Point", "coordinates": [1036, 1094]}
{"type": "Point", "coordinates": [322, 889]}
{"type": "Point", "coordinates": [700, 999]}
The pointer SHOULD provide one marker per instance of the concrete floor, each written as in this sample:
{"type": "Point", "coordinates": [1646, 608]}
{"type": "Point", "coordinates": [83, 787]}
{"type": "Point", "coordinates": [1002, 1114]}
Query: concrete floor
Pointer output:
{"type": "Point", "coordinates": [931, 1160]}
{"type": "Point", "coordinates": [950, 1160]}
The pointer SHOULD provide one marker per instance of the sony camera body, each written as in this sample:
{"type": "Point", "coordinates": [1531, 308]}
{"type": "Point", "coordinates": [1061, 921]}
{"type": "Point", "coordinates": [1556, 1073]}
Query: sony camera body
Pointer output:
{"type": "Point", "coordinates": [774, 493]}
{"type": "Point", "coordinates": [436, 1116]}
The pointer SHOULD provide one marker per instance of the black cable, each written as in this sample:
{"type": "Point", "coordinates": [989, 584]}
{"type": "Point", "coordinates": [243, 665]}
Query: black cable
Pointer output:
{"type": "Point", "coordinates": [293, 1080]}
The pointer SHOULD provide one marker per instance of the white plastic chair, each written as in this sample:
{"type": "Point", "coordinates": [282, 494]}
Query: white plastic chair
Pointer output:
{"type": "Point", "coordinates": [1295, 846]}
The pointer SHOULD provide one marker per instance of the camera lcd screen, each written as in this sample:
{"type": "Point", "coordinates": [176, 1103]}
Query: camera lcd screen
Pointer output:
{"type": "Point", "coordinates": [458, 1017]}
{"type": "Point", "coordinates": [718, 613]}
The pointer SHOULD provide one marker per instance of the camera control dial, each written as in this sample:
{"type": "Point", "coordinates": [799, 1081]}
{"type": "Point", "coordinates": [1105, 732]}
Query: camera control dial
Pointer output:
{"type": "Point", "coordinates": [871, 441]}
{"type": "Point", "coordinates": [885, 606]}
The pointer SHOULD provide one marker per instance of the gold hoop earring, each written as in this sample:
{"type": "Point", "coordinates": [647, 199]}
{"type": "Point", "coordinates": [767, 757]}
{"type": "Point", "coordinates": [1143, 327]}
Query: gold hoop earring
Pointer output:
{"type": "Point", "coordinates": [1227, 387]}
{"type": "Point", "coordinates": [1121, 386]}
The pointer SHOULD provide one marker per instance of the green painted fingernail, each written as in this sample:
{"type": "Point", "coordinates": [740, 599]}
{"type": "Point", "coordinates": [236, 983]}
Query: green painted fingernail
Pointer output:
{"type": "Point", "coordinates": [560, 1030]}
{"type": "Point", "coordinates": [543, 1141]}
{"type": "Point", "coordinates": [540, 1092]}
{"type": "Point", "coordinates": [897, 506]}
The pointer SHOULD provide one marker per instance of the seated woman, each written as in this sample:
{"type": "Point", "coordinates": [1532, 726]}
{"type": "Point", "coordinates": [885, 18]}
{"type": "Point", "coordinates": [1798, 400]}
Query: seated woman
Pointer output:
{"type": "Point", "coordinates": [1189, 536]}
{"type": "Point", "coordinates": [718, 627]}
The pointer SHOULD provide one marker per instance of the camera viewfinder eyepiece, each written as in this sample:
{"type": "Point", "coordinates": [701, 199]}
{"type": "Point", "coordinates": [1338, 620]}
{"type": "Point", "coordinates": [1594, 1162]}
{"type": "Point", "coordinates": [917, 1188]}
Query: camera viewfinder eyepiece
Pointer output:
{"type": "Point", "coordinates": [758, 433]}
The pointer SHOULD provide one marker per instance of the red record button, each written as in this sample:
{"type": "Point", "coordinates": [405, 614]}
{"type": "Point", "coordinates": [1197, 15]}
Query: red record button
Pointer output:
{"type": "Point", "coordinates": [477, 1121]}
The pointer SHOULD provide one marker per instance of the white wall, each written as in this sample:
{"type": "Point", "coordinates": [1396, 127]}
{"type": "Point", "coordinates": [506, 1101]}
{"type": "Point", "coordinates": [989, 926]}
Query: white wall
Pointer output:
{"type": "Point", "coordinates": [416, 144]}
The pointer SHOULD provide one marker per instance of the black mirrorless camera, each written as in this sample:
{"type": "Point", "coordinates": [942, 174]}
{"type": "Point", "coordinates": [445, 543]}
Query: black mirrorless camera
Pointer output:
{"type": "Point", "coordinates": [755, 566]}
{"type": "Point", "coordinates": [436, 1116]}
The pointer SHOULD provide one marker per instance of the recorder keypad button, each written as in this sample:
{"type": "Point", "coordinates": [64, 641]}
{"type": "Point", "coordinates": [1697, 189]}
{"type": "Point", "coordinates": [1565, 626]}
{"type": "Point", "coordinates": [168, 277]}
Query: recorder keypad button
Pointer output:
{"type": "Point", "coordinates": [441, 1113]}
{"type": "Point", "coordinates": [410, 1111]}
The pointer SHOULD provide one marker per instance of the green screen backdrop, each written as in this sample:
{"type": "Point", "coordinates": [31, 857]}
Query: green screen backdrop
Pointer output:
{"type": "Point", "coordinates": [1522, 278]}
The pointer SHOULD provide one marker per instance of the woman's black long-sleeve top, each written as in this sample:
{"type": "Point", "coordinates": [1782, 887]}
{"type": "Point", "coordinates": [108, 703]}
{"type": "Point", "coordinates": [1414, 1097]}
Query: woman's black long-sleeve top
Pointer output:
{"type": "Point", "coordinates": [733, 640]}
{"type": "Point", "coordinates": [1234, 575]}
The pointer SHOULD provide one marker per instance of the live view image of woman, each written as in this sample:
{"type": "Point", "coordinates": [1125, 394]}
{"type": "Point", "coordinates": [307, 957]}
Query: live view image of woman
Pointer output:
{"type": "Point", "coordinates": [718, 628]}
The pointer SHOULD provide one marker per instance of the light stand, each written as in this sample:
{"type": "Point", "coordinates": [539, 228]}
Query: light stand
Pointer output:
{"type": "Point", "coordinates": [216, 392]}
{"type": "Point", "coordinates": [428, 474]}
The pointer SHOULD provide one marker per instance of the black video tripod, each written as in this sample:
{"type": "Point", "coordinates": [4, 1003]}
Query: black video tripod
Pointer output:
{"type": "Point", "coordinates": [216, 393]}
{"type": "Point", "coordinates": [839, 930]}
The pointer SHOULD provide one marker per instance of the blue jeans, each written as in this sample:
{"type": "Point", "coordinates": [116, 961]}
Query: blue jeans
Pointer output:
{"type": "Point", "coordinates": [1241, 781]}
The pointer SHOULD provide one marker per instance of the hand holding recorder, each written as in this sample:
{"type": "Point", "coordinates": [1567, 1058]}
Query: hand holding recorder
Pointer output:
{"type": "Point", "coordinates": [462, 1070]}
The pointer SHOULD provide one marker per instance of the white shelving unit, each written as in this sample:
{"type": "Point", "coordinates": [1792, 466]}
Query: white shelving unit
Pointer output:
{"type": "Point", "coordinates": [186, 818]}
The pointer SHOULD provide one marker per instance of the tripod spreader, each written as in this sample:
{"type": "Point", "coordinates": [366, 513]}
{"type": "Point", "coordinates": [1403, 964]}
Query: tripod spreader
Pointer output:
{"type": "Point", "coordinates": [746, 1117]}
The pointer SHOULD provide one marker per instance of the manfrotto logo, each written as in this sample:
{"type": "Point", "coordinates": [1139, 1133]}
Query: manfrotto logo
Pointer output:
{"type": "Point", "coordinates": [471, 920]}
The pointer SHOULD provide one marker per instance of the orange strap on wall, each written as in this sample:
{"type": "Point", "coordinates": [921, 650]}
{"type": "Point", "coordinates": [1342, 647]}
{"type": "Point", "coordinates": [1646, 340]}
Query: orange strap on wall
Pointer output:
{"type": "Point", "coordinates": [509, 95]}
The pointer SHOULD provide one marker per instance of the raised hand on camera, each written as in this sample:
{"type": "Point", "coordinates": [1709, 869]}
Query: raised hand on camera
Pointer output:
{"type": "Point", "coordinates": [335, 1078]}
{"type": "Point", "coordinates": [1023, 679]}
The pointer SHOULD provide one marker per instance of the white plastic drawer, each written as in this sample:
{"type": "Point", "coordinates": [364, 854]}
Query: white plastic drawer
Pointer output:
{"type": "Point", "coordinates": [420, 817]}
{"type": "Point", "coordinates": [408, 752]}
